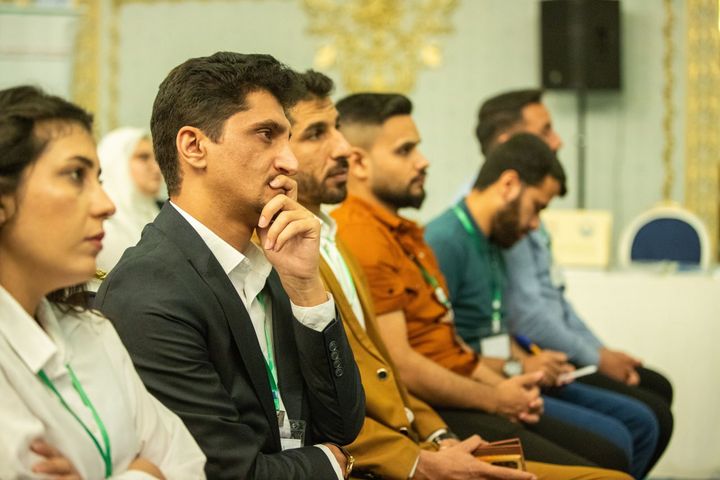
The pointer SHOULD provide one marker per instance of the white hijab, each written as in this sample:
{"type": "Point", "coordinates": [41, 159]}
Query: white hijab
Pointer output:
{"type": "Point", "coordinates": [134, 208]}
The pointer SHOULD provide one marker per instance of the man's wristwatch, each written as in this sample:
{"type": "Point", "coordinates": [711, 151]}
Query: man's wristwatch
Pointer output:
{"type": "Point", "coordinates": [349, 460]}
{"type": "Point", "coordinates": [512, 367]}
{"type": "Point", "coordinates": [447, 435]}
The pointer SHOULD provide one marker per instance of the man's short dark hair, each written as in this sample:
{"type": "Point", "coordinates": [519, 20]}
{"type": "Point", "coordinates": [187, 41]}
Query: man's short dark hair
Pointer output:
{"type": "Point", "coordinates": [22, 109]}
{"type": "Point", "coordinates": [526, 154]}
{"type": "Point", "coordinates": [500, 113]}
{"type": "Point", "coordinates": [316, 85]}
{"type": "Point", "coordinates": [372, 108]}
{"type": "Point", "coordinates": [204, 92]}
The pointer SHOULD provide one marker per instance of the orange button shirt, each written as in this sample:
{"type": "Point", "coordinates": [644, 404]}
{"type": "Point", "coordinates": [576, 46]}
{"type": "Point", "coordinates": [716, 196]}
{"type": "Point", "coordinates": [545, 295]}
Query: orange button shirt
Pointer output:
{"type": "Point", "coordinates": [385, 245]}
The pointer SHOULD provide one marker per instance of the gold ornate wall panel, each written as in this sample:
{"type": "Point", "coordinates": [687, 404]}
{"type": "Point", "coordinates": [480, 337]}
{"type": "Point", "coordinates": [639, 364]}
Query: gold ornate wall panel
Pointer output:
{"type": "Point", "coordinates": [702, 156]}
{"type": "Point", "coordinates": [668, 106]}
{"type": "Point", "coordinates": [86, 71]}
{"type": "Point", "coordinates": [379, 45]}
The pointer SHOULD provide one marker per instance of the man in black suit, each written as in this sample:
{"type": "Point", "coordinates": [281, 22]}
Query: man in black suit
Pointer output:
{"type": "Point", "coordinates": [243, 342]}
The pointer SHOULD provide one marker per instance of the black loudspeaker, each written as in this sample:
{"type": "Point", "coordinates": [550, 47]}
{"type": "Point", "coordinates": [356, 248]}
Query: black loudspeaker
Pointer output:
{"type": "Point", "coordinates": [580, 44]}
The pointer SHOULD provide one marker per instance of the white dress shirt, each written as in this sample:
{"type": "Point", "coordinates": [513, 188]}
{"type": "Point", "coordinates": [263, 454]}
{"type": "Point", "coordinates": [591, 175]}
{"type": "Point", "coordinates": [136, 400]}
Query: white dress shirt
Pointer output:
{"type": "Point", "coordinates": [333, 257]}
{"type": "Point", "coordinates": [248, 273]}
{"type": "Point", "coordinates": [136, 423]}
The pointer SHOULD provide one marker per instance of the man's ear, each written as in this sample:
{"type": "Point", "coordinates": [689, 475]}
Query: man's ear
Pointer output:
{"type": "Point", "coordinates": [510, 185]}
{"type": "Point", "coordinates": [7, 208]}
{"type": "Point", "coordinates": [359, 162]}
{"type": "Point", "coordinates": [191, 144]}
{"type": "Point", "coordinates": [503, 137]}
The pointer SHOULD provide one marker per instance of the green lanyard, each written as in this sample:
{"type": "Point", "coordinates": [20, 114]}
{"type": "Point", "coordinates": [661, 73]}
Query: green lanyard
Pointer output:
{"type": "Point", "coordinates": [104, 453]}
{"type": "Point", "coordinates": [494, 268]}
{"type": "Point", "coordinates": [270, 360]}
{"type": "Point", "coordinates": [432, 281]}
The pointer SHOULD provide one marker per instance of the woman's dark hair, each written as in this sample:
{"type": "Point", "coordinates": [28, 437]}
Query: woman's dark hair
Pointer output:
{"type": "Point", "coordinates": [23, 111]}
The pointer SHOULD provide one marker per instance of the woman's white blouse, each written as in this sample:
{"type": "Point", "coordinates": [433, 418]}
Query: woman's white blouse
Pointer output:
{"type": "Point", "coordinates": [137, 424]}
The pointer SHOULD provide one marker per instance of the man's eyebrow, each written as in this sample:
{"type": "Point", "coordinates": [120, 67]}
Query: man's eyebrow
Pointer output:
{"type": "Point", "coordinates": [273, 125]}
{"type": "Point", "coordinates": [316, 126]}
{"type": "Point", "coordinates": [407, 144]}
{"type": "Point", "coordinates": [82, 159]}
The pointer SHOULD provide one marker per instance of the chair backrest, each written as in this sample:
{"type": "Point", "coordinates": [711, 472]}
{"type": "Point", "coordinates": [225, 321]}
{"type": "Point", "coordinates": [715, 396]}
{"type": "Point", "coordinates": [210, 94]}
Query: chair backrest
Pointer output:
{"type": "Point", "coordinates": [666, 233]}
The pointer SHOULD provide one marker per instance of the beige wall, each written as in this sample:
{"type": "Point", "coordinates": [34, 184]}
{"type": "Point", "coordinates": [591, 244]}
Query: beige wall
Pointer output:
{"type": "Point", "coordinates": [495, 47]}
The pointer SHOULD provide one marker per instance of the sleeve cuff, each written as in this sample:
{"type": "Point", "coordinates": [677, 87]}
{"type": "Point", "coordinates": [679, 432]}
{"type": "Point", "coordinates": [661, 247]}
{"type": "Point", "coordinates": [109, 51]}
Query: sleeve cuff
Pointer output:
{"type": "Point", "coordinates": [436, 434]}
{"type": "Point", "coordinates": [317, 317]}
{"type": "Point", "coordinates": [133, 475]}
{"type": "Point", "coordinates": [333, 461]}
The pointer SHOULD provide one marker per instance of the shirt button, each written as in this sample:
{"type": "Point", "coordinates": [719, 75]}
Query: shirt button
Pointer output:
{"type": "Point", "coordinates": [382, 374]}
{"type": "Point", "coordinates": [338, 372]}
{"type": "Point", "coordinates": [334, 355]}
{"type": "Point", "coordinates": [332, 346]}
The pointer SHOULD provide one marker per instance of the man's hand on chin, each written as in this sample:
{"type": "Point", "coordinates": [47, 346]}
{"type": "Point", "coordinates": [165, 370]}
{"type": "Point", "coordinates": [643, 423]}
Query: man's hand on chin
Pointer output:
{"type": "Point", "coordinates": [290, 237]}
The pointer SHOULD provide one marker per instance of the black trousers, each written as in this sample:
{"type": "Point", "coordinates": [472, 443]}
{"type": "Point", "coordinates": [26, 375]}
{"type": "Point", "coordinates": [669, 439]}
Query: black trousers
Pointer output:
{"type": "Point", "coordinates": [655, 391]}
{"type": "Point", "coordinates": [549, 440]}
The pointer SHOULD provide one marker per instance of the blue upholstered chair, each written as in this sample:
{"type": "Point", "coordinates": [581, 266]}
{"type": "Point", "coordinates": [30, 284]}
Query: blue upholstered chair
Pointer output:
{"type": "Point", "coordinates": [666, 233]}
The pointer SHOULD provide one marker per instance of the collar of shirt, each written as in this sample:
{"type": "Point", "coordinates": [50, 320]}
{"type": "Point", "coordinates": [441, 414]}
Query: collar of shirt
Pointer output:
{"type": "Point", "coordinates": [328, 227]}
{"type": "Point", "coordinates": [38, 346]}
{"type": "Point", "coordinates": [230, 259]}
{"type": "Point", "coordinates": [394, 222]}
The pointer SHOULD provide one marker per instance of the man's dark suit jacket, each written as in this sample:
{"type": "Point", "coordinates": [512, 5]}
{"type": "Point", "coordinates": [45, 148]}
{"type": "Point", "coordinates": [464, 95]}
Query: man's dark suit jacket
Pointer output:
{"type": "Point", "coordinates": [193, 343]}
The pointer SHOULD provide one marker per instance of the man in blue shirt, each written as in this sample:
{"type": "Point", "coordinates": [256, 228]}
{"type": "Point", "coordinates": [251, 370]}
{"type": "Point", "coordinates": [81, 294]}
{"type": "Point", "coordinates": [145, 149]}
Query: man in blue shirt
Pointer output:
{"type": "Point", "coordinates": [517, 181]}
{"type": "Point", "coordinates": [535, 299]}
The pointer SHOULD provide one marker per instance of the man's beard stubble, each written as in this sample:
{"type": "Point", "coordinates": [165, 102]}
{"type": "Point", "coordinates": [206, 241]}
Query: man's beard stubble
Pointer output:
{"type": "Point", "coordinates": [506, 225]}
{"type": "Point", "coordinates": [310, 191]}
{"type": "Point", "coordinates": [401, 199]}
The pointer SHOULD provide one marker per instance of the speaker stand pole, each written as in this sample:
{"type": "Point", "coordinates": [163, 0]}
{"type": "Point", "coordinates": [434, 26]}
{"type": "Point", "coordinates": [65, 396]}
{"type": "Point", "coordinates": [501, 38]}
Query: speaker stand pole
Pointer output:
{"type": "Point", "coordinates": [581, 144]}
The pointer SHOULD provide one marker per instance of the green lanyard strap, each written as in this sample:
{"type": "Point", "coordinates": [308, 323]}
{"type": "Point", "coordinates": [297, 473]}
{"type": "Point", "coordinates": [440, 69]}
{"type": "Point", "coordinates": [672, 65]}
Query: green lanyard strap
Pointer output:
{"type": "Point", "coordinates": [440, 295]}
{"type": "Point", "coordinates": [270, 360]}
{"type": "Point", "coordinates": [104, 452]}
{"type": "Point", "coordinates": [494, 267]}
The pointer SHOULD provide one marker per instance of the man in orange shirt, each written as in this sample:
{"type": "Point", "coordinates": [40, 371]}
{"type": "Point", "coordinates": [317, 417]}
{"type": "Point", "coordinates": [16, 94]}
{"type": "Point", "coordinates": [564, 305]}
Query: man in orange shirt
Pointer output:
{"type": "Point", "coordinates": [387, 172]}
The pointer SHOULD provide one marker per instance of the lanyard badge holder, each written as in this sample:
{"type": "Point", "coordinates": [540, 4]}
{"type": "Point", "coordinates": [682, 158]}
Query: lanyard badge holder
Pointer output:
{"type": "Point", "coordinates": [497, 345]}
{"type": "Point", "coordinates": [292, 432]}
{"type": "Point", "coordinates": [438, 291]}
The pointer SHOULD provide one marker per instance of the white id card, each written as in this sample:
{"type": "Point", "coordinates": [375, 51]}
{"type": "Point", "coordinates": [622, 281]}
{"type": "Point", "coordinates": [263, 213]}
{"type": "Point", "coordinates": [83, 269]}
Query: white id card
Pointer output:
{"type": "Point", "coordinates": [290, 443]}
{"type": "Point", "coordinates": [497, 346]}
{"type": "Point", "coordinates": [580, 372]}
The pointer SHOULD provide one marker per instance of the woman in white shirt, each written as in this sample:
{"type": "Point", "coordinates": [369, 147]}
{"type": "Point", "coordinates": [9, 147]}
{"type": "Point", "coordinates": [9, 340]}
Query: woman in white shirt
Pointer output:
{"type": "Point", "coordinates": [71, 404]}
{"type": "Point", "coordinates": [132, 179]}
